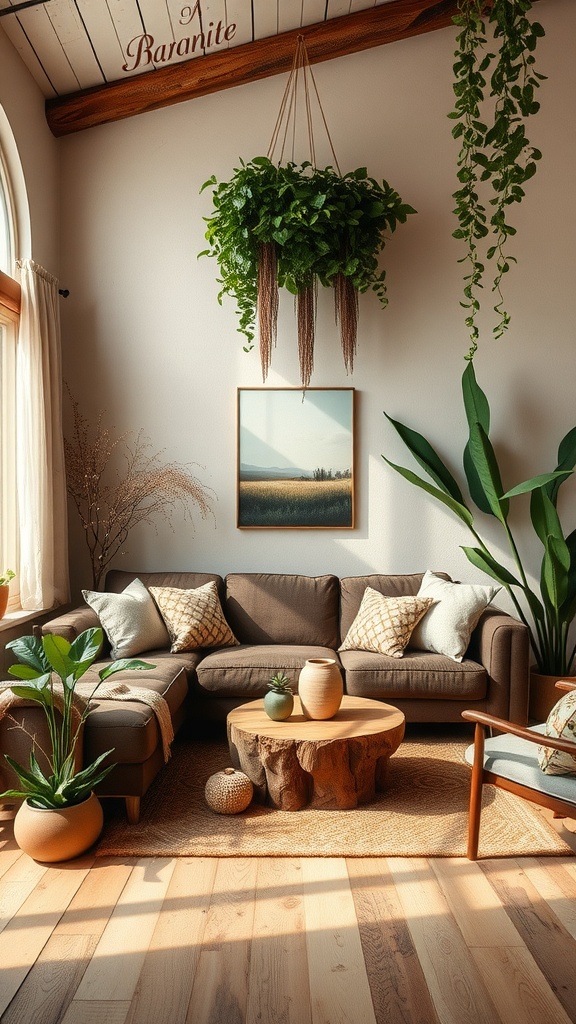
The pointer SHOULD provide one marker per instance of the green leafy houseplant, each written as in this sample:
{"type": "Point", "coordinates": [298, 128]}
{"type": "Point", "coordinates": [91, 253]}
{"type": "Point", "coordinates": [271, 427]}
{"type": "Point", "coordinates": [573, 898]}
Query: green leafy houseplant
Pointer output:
{"type": "Point", "coordinates": [495, 153]}
{"type": "Point", "coordinates": [6, 577]}
{"type": "Point", "coordinates": [42, 661]}
{"type": "Point", "coordinates": [291, 227]}
{"type": "Point", "coordinates": [547, 610]}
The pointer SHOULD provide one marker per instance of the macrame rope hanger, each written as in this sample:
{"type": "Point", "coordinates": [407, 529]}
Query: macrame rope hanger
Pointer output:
{"type": "Point", "coordinates": [301, 78]}
{"type": "Point", "coordinates": [285, 140]}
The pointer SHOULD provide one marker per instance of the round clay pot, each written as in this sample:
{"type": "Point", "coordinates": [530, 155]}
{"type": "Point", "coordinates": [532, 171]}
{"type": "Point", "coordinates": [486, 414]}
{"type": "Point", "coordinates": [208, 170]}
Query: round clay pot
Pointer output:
{"type": "Point", "coordinates": [278, 706]}
{"type": "Point", "coordinates": [544, 695]}
{"type": "Point", "coordinates": [49, 835]}
{"type": "Point", "coordinates": [4, 592]}
{"type": "Point", "coordinates": [320, 688]}
{"type": "Point", "coordinates": [229, 791]}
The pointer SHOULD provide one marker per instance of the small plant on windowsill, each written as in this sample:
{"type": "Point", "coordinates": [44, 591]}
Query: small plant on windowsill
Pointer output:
{"type": "Point", "coordinates": [5, 579]}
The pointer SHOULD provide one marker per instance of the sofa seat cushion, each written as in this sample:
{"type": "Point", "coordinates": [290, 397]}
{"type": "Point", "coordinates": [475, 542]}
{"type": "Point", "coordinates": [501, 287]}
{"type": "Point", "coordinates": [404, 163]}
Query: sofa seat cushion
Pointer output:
{"type": "Point", "coordinates": [245, 671]}
{"type": "Point", "coordinates": [416, 675]}
{"type": "Point", "coordinates": [277, 608]}
{"type": "Point", "coordinates": [131, 727]}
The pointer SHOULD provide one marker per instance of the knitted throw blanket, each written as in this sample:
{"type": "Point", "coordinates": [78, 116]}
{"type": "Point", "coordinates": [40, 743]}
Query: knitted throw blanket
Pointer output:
{"type": "Point", "coordinates": [106, 691]}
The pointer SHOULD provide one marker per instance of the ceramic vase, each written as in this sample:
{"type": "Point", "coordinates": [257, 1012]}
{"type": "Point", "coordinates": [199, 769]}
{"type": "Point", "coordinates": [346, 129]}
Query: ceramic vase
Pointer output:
{"type": "Point", "coordinates": [320, 688]}
{"type": "Point", "coordinates": [278, 706]}
{"type": "Point", "coordinates": [57, 834]}
{"type": "Point", "coordinates": [4, 592]}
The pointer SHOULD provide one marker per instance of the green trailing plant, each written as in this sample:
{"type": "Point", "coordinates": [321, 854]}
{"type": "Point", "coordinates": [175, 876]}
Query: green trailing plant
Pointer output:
{"type": "Point", "coordinates": [495, 154]}
{"type": "Point", "coordinates": [293, 227]}
{"type": "Point", "coordinates": [6, 577]}
{"type": "Point", "coordinates": [43, 662]}
{"type": "Point", "coordinates": [549, 609]}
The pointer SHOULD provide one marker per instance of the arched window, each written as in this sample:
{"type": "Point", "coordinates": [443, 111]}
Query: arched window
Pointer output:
{"type": "Point", "coordinates": [9, 318]}
{"type": "Point", "coordinates": [7, 219]}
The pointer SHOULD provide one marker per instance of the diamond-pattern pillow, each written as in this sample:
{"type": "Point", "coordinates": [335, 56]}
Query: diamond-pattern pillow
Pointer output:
{"type": "Point", "coordinates": [194, 618]}
{"type": "Point", "coordinates": [561, 722]}
{"type": "Point", "coordinates": [384, 624]}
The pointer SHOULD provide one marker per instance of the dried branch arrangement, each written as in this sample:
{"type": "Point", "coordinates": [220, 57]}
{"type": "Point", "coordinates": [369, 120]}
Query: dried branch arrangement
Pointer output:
{"type": "Point", "coordinates": [111, 502]}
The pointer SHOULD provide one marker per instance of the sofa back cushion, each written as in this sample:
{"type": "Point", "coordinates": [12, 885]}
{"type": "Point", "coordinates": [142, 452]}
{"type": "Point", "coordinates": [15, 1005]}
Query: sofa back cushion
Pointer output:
{"type": "Point", "coordinates": [277, 608]}
{"type": "Point", "coordinates": [118, 579]}
{"type": "Point", "coordinates": [352, 591]}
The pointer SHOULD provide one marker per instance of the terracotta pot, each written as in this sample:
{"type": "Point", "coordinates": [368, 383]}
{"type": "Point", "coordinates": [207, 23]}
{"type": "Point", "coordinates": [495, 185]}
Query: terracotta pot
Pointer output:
{"type": "Point", "coordinates": [544, 695]}
{"type": "Point", "coordinates": [4, 592]}
{"type": "Point", "coordinates": [49, 835]}
{"type": "Point", "coordinates": [320, 688]}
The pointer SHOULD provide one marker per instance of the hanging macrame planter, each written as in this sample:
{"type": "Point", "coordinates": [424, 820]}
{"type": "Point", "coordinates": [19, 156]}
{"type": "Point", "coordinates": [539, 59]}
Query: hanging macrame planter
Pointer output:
{"type": "Point", "coordinates": [293, 226]}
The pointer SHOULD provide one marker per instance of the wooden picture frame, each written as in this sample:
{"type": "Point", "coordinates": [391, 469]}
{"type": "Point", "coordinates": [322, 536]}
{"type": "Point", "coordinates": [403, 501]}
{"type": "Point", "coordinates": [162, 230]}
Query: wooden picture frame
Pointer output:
{"type": "Point", "coordinates": [295, 459]}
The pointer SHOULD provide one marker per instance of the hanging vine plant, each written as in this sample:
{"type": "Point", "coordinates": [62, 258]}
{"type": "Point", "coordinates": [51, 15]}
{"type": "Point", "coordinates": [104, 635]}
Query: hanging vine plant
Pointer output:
{"type": "Point", "coordinates": [495, 155]}
{"type": "Point", "coordinates": [292, 227]}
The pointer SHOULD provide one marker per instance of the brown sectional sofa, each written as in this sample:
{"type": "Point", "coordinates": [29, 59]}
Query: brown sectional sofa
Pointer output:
{"type": "Point", "coordinates": [281, 620]}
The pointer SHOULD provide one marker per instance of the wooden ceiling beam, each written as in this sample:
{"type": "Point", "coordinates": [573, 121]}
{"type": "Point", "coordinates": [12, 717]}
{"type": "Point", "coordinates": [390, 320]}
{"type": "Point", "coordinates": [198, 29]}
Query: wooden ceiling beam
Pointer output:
{"type": "Point", "coordinates": [238, 65]}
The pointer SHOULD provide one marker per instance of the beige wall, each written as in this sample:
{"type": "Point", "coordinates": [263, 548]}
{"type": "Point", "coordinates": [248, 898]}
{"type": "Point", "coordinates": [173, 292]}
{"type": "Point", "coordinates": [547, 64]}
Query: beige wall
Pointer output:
{"type": "Point", "coordinates": [146, 341]}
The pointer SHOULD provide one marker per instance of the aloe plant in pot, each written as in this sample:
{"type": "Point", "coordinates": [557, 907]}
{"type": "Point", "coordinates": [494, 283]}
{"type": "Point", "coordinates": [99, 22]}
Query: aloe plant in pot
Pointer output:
{"type": "Point", "coordinates": [50, 669]}
{"type": "Point", "coordinates": [548, 609]}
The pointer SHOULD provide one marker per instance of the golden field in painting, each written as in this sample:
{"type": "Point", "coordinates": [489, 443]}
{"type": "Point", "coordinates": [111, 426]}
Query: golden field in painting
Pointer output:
{"type": "Point", "coordinates": [322, 503]}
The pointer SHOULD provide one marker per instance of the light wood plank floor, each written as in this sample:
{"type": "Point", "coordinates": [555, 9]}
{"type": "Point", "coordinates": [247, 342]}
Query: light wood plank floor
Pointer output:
{"type": "Point", "coordinates": [287, 941]}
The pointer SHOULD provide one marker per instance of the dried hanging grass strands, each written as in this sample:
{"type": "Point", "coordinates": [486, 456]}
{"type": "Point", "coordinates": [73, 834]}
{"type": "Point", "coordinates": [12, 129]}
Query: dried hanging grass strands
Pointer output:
{"type": "Point", "coordinates": [267, 303]}
{"type": "Point", "coordinates": [306, 322]}
{"type": "Point", "coordinates": [346, 311]}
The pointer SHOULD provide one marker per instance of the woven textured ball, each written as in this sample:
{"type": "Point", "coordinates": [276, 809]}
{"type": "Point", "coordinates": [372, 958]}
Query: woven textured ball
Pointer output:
{"type": "Point", "coordinates": [228, 791]}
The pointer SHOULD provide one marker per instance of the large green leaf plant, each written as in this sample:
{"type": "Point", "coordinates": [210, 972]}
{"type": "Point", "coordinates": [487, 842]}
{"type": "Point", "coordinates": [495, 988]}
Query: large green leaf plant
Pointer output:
{"type": "Point", "coordinates": [42, 663]}
{"type": "Point", "coordinates": [548, 609]}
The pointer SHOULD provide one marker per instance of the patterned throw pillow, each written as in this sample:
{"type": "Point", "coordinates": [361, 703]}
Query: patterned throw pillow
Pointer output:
{"type": "Point", "coordinates": [194, 618]}
{"type": "Point", "coordinates": [384, 624]}
{"type": "Point", "coordinates": [449, 624]}
{"type": "Point", "coordinates": [130, 620]}
{"type": "Point", "coordinates": [561, 722]}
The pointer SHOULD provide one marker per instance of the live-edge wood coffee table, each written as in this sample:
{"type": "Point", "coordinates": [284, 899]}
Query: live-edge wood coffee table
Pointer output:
{"type": "Point", "coordinates": [336, 763]}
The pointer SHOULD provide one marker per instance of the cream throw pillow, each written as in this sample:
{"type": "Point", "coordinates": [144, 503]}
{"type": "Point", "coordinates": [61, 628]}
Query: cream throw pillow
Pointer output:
{"type": "Point", "coordinates": [561, 722]}
{"type": "Point", "coordinates": [194, 618]}
{"type": "Point", "coordinates": [130, 620]}
{"type": "Point", "coordinates": [447, 627]}
{"type": "Point", "coordinates": [384, 624]}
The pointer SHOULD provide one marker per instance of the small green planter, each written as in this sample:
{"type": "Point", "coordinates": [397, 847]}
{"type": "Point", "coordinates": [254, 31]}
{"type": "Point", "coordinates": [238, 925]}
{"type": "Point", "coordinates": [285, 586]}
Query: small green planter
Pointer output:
{"type": "Point", "coordinates": [279, 701]}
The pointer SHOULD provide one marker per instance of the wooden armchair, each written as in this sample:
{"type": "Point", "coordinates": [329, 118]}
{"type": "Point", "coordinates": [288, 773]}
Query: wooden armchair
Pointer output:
{"type": "Point", "coordinates": [509, 761]}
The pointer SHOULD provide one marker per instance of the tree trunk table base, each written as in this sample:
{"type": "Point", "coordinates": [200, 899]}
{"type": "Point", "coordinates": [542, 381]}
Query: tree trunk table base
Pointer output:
{"type": "Point", "coordinates": [333, 764]}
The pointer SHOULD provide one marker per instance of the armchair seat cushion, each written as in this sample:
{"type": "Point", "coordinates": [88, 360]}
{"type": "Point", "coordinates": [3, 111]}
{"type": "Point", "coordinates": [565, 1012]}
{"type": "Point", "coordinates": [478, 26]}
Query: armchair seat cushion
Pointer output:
{"type": "Point", "coordinates": [516, 759]}
{"type": "Point", "coordinates": [417, 674]}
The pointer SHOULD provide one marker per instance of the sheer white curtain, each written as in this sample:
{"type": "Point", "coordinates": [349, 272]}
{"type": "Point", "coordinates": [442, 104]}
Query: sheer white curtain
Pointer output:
{"type": "Point", "coordinates": [41, 478]}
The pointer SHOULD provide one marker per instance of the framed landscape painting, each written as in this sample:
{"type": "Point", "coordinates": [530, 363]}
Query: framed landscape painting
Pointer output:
{"type": "Point", "coordinates": [295, 458]}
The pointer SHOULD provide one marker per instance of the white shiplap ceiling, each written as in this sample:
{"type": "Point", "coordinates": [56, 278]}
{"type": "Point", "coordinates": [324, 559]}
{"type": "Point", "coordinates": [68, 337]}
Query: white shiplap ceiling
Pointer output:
{"type": "Point", "coordinates": [72, 45]}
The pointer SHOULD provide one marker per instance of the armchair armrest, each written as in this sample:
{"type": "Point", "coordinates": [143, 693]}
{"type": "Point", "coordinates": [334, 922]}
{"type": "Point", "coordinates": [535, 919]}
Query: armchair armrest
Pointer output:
{"type": "Point", "coordinates": [72, 623]}
{"type": "Point", "coordinates": [492, 722]}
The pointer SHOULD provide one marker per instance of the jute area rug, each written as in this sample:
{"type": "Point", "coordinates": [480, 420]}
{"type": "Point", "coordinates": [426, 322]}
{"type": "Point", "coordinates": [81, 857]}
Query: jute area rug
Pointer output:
{"type": "Point", "coordinates": [422, 813]}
